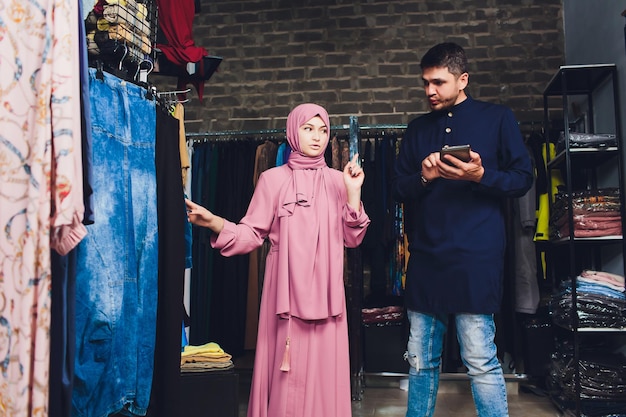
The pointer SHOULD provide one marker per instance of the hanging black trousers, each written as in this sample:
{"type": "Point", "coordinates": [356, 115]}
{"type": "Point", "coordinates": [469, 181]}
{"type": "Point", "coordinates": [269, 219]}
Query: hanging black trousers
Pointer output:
{"type": "Point", "coordinates": [165, 395]}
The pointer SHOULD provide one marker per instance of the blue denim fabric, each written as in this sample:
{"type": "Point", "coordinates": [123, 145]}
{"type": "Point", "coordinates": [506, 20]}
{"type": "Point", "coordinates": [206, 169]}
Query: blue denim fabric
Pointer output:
{"type": "Point", "coordinates": [117, 266]}
{"type": "Point", "coordinates": [475, 333]}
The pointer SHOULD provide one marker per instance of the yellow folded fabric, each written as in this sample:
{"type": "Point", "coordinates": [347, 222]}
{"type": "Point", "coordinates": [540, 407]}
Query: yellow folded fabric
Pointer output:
{"type": "Point", "coordinates": [142, 11]}
{"type": "Point", "coordinates": [211, 347]}
{"type": "Point", "coordinates": [134, 15]}
{"type": "Point", "coordinates": [103, 25]}
{"type": "Point", "coordinates": [122, 33]}
{"type": "Point", "coordinates": [92, 46]}
{"type": "Point", "coordinates": [208, 352]}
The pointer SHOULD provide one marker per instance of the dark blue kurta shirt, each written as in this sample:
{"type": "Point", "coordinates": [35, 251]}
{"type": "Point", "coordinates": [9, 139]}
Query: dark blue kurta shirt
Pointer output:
{"type": "Point", "coordinates": [456, 229]}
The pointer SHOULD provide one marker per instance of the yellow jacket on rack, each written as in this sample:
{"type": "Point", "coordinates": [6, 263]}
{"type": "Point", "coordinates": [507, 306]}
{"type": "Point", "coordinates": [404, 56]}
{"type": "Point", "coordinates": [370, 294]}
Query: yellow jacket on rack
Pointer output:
{"type": "Point", "coordinates": [543, 212]}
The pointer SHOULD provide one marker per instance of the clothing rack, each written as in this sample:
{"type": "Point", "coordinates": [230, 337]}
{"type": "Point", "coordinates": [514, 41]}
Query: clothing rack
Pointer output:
{"type": "Point", "coordinates": [363, 131]}
{"type": "Point", "coordinates": [353, 128]}
{"type": "Point", "coordinates": [234, 135]}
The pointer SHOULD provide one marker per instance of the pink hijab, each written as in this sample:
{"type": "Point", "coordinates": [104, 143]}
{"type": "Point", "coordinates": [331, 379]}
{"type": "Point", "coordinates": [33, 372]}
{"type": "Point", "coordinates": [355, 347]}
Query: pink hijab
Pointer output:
{"type": "Point", "coordinates": [310, 265]}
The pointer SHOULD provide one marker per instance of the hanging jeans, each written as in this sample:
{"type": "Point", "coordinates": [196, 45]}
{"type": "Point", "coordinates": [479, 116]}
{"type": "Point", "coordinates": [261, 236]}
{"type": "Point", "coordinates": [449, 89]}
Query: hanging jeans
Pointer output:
{"type": "Point", "coordinates": [117, 263]}
{"type": "Point", "coordinates": [476, 333]}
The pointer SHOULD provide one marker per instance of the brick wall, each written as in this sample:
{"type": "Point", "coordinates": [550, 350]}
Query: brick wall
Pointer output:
{"type": "Point", "coordinates": [362, 57]}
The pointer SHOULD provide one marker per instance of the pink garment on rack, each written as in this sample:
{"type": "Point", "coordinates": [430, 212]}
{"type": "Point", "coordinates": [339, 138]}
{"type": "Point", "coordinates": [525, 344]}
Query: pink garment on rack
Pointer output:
{"type": "Point", "coordinates": [593, 223]}
{"type": "Point", "coordinates": [603, 276]}
{"type": "Point", "coordinates": [614, 231]}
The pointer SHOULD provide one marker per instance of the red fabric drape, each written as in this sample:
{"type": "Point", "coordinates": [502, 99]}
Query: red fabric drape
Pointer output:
{"type": "Point", "coordinates": [176, 23]}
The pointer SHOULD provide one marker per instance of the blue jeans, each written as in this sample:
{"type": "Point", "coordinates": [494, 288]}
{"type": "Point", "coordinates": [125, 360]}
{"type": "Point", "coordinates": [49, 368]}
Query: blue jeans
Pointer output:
{"type": "Point", "coordinates": [475, 333]}
{"type": "Point", "coordinates": [117, 262]}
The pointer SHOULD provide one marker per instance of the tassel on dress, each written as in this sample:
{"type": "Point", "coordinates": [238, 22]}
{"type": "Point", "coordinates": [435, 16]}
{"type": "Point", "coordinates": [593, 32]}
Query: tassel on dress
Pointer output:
{"type": "Point", "coordinates": [284, 365]}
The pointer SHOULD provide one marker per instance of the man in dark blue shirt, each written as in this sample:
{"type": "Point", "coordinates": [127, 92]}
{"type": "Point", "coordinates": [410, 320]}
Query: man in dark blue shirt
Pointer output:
{"type": "Point", "coordinates": [455, 228]}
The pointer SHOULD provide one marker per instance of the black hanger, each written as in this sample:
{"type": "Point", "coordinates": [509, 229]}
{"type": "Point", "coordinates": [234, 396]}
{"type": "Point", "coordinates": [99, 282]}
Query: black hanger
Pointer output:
{"type": "Point", "coordinates": [99, 70]}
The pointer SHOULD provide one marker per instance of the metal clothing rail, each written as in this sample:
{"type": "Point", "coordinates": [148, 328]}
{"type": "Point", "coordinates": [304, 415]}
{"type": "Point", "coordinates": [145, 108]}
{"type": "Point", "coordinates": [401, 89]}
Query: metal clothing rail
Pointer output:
{"type": "Point", "coordinates": [264, 134]}
{"type": "Point", "coordinates": [279, 133]}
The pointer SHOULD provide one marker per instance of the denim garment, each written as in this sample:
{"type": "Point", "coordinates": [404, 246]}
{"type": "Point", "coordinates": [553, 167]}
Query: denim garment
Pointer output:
{"type": "Point", "coordinates": [475, 333]}
{"type": "Point", "coordinates": [116, 283]}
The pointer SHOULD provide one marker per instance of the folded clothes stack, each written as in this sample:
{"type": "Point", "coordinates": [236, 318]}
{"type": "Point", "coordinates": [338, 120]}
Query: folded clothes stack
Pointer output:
{"type": "Point", "coordinates": [595, 213]}
{"type": "Point", "coordinates": [600, 301]}
{"type": "Point", "coordinates": [207, 357]}
{"type": "Point", "coordinates": [607, 279]}
{"type": "Point", "coordinates": [382, 315]}
{"type": "Point", "coordinates": [587, 140]}
{"type": "Point", "coordinates": [114, 22]}
{"type": "Point", "coordinates": [123, 32]}
{"type": "Point", "coordinates": [129, 12]}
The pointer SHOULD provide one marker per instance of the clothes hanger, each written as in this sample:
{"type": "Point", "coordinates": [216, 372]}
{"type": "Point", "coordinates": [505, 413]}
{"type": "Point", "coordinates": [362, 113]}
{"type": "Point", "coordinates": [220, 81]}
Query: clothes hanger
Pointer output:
{"type": "Point", "coordinates": [170, 98]}
{"type": "Point", "coordinates": [120, 65]}
{"type": "Point", "coordinates": [100, 70]}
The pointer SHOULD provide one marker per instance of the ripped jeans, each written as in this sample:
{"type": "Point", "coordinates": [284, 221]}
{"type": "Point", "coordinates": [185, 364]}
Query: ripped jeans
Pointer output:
{"type": "Point", "coordinates": [475, 333]}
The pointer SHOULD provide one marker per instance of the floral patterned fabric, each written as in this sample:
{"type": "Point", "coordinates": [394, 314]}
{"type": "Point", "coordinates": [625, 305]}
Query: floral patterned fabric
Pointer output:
{"type": "Point", "coordinates": [40, 186]}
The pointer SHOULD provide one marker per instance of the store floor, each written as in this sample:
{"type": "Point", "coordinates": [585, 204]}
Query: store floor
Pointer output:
{"type": "Point", "coordinates": [382, 397]}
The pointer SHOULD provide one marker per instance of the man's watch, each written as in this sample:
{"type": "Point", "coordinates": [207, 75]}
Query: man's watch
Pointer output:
{"type": "Point", "coordinates": [424, 180]}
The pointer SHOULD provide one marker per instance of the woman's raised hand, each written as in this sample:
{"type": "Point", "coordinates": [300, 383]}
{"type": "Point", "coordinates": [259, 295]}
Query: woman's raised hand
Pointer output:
{"type": "Point", "coordinates": [353, 174]}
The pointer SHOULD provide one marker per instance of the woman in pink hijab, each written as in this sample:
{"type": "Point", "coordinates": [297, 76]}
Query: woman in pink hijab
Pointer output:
{"type": "Point", "coordinates": [309, 212]}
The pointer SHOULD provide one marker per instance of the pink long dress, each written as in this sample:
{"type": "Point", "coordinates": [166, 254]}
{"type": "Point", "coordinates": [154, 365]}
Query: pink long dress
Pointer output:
{"type": "Point", "coordinates": [317, 382]}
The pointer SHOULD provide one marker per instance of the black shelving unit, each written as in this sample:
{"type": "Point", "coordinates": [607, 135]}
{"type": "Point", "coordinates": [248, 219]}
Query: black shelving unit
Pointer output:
{"type": "Point", "coordinates": [583, 169]}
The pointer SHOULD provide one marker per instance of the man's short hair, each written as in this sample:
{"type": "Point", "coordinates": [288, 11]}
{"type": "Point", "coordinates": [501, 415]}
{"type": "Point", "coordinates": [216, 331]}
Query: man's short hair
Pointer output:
{"type": "Point", "coordinates": [445, 55]}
